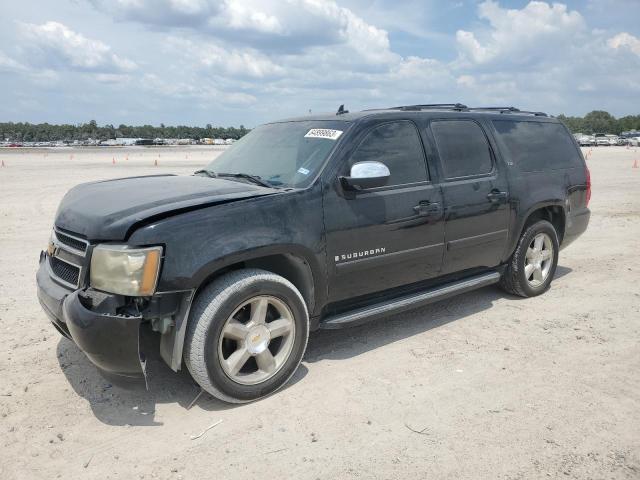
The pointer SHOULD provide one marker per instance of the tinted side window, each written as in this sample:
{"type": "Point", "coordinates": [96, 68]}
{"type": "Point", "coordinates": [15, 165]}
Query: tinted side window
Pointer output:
{"type": "Point", "coordinates": [463, 148]}
{"type": "Point", "coordinates": [399, 147]}
{"type": "Point", "coordinates": [535, 146]}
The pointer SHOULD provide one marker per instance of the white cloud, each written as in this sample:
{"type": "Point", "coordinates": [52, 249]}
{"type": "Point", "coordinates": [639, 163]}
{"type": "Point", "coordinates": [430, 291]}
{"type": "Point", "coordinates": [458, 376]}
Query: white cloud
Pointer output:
{"type": "Point", "coordinates": [466, 81]}
{"type": "Point", "coordinates": [57, 46]}
{"type": "Point", "coordinates": [291, 26]}
{"type": "Point", "coordinates": [202, 91]}
{"type": "Point", "coordinates": [161, 12]}
{"type": "Point", "coordinates": [8, 64]}
{"type": "Point", "coordinates": [520, 35]}
{"type": "Point", "coordinates": [625, 40]}
{"type": "Point", "coordinates": [245, 16]}
{"type": "Point", "coordinates": [234, 62]}
{"type": "Point", "coordinates": [112, 78]}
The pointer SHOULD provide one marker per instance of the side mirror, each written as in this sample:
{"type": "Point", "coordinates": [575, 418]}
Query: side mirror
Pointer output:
{"type": "Point", "coordinates": [366, 175]}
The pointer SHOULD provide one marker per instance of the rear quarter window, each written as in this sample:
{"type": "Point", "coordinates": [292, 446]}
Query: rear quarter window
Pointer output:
{"type": "Point", "coordinates": [537, 146]}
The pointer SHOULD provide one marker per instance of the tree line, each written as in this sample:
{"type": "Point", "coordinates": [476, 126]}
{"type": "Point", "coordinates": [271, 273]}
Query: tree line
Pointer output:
{"type": "Point", "coordinates": [46, 132]}
{"type": "Point", "coordinates": [600, 121]}
{"type": "Point", "coordinates": [597, 121]}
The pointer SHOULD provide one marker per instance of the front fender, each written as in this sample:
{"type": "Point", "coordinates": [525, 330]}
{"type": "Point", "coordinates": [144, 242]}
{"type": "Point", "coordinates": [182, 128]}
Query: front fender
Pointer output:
{"type": "Point", "coordinates": [200, 243]}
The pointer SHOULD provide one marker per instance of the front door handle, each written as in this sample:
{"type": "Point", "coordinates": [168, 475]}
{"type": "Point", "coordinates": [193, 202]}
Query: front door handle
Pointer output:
{"type": "Point", "coordinates": [496, 196]}
{"type": "Point", "coordinates": [426, 208]}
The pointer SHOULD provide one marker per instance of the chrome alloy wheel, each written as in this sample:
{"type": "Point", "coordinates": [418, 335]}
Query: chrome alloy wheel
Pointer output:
{"type": "Point", "coordinates": [256, 340]}
{"type": "Point", "coordinates": [538, 260]}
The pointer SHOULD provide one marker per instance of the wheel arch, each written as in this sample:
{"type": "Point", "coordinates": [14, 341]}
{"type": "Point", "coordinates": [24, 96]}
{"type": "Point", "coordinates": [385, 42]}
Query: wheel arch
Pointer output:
{"type": "Point", "coordinates": [553, 212]}
{"type": "Point", "coordinates": [297, 264]}
{"type": "Point", "coordinates": [291, 262]}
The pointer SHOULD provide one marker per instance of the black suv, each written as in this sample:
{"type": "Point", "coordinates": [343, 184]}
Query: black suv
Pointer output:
{"type": "Point", "coordinates": [316, 222]}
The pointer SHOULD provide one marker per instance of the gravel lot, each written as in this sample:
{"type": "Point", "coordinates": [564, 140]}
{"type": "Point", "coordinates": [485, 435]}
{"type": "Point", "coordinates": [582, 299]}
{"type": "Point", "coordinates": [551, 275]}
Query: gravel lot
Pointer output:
{"type": "Point", "coordinates": [480, 386]}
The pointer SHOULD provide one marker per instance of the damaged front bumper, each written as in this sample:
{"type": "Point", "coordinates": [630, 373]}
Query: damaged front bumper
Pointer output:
{"type": "Point", "coordinates": [110, 340]}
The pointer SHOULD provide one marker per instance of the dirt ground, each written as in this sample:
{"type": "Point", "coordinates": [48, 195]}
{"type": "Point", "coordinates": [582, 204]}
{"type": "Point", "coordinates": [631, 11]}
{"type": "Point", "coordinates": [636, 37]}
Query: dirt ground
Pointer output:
{"type": "Point", "coordinates": [483, 385]}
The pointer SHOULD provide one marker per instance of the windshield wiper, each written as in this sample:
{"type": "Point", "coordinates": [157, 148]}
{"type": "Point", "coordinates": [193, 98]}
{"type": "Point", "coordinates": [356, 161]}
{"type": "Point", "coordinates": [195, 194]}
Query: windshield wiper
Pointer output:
{"type": "Point", "coordinates": [253, 178]}
{"type": "Point", "coordinates": [208, 173]}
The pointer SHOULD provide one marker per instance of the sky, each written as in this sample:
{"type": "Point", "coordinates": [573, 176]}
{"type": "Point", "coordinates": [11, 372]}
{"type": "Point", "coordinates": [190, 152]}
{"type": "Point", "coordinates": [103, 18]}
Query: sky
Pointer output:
{"type": "Point", "coordinates": [233, 62]}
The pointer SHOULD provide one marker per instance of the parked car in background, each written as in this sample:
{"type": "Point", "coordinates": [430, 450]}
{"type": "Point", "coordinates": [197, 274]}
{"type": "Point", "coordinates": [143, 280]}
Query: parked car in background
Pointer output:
{"type": "Point", "coordinates": [586, 140]}
{"type": "Point", "coordinates": [612, 139]}
{"type": "Point", "coordinates": [628, 137]}
{"type": "Point", "coordinates": [600, 139]}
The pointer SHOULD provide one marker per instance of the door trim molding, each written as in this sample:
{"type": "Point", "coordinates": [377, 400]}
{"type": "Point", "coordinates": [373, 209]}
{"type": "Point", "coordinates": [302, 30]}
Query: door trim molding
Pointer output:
{"type": "Point", "coordinates": [499, 235]}
{"type": "Point", "coordinates": [378, 260]}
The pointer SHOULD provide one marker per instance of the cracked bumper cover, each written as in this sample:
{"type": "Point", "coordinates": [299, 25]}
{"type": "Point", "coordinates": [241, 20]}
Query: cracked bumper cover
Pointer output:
{"type": "Point", "coordinates": [110, 341]}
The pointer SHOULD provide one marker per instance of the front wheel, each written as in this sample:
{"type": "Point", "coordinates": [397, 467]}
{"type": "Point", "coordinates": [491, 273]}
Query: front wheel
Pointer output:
{"type": "Point", "coordinates": [533, 263]}
{"type": "Point", "coordinates": [246, 335]}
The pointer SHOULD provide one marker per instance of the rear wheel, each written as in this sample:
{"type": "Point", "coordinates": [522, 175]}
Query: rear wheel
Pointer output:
{"type": "Point", "coordinates": [246, 335]}
{"type": "Point", "coordinates": [533, 264]}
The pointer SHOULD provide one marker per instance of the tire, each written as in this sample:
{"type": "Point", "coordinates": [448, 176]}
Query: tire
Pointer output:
{"type": "Point", "coordinates": [516, 278]}
{"type": "Point", "coordinates": [225, 321]}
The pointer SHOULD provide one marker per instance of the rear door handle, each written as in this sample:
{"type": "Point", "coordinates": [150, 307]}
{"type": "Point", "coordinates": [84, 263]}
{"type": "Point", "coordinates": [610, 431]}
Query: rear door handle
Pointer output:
{"type": "Point", "coordinates": [496, 196]}
{"type": "Point", "coordinates": [426, 208]}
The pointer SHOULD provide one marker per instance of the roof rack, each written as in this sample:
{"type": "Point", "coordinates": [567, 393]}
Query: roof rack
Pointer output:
{"type": "Point", "coordinates": [508, 110]}
{"type": "Point", "coordinates": [460, 107]}
{"type": "Point", "coordinates": [449, 106]}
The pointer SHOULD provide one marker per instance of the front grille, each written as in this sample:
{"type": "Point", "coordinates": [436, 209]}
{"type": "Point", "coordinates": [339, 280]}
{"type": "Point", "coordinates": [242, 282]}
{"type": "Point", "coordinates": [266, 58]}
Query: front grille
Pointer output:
{"type": "Point", "coordinates": [72, 242]}
{"type": "Point", "coordinates": [65, 271]}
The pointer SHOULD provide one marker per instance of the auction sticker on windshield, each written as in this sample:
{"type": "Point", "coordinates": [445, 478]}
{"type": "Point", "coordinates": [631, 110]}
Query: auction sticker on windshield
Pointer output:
{"type": "Point", "coordinates": [323, 133]}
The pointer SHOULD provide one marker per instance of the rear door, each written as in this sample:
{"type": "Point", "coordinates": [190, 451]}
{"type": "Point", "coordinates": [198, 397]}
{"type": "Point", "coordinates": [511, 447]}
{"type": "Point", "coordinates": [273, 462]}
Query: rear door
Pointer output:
{"type": "Point", "coordinates": [384, 237]}
{"type": "Point", "coordinates": [475, 195]}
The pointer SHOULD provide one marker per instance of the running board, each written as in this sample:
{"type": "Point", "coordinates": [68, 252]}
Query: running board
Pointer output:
{"type": "Point", "coordinates": [408, 302]}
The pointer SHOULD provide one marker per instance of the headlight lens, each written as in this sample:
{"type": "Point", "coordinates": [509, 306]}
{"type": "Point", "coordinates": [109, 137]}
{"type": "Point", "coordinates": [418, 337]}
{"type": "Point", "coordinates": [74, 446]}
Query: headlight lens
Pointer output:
{"type": "Point", "coordinates": [126, 271]}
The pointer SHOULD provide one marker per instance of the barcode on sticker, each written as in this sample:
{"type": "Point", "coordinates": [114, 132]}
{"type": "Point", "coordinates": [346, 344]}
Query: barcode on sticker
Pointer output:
{"type": "Point", "coordinates": [323, 133]}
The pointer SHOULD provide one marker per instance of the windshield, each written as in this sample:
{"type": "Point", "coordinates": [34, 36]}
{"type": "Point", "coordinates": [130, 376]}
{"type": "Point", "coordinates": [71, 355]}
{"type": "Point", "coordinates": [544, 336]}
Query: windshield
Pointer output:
{"type": "Point", "coordinates": [287, 154]}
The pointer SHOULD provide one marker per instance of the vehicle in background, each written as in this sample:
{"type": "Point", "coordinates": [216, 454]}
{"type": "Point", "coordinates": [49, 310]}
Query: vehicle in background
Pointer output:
{"type": "Point", "coordinates": [600, 139]}
{"type": "Point", "coordinates": [612, 139]}
{"type": "Point", "coordinates": [627, 137]}
{"type": "Point", "coordinates": [586, 140]}
{"type": "Point", "coordinates": [634, 141]}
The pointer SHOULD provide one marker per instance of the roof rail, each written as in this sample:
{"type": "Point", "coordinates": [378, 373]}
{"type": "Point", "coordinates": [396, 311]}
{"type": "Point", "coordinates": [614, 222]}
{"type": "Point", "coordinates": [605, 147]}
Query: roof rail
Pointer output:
{"type": "Point", "coordinates": [508, 110]}
{"type": "Point", "coordinates": [460, 107]}
{"type": "Point", "coordinates": [450, 106]}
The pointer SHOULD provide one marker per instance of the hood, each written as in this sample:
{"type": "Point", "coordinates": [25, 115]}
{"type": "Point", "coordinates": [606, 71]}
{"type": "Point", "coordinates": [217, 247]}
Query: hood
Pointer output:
{"type": "Point", "coordinates": [107, 210]}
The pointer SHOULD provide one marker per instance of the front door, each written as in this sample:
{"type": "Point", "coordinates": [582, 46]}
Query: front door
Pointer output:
{"type": "Point", "coordinates": [389, 236]}
{"type": "Point", "coordinates": [475, 191]}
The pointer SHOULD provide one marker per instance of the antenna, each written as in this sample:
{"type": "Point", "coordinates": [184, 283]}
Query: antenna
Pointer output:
{"type": "Point", "coordinates": [341, 110]}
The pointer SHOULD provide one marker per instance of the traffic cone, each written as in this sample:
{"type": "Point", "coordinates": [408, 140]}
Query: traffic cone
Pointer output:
{"type": "Point", "coordinates": [635, 163]}
{"type": "Point", "coordinates": [113, 160]}
{"type": "Point", "coordinates": [3, 165]}
{"type": "Point", "coordinates": [155, 162]}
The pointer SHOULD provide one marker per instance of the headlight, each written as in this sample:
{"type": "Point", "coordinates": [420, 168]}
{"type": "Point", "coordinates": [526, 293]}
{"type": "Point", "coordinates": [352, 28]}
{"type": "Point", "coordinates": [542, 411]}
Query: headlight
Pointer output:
{"type": "Point", "coordinates": [126, 271]}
